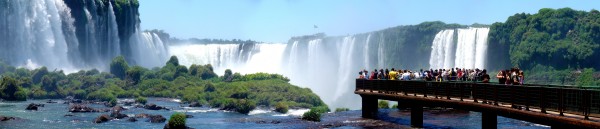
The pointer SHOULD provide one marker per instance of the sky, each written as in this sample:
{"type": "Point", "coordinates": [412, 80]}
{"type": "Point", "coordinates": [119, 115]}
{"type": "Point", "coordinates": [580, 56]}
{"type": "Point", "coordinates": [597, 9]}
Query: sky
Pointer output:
{"type": "Point", "coordinates": [278, 20]}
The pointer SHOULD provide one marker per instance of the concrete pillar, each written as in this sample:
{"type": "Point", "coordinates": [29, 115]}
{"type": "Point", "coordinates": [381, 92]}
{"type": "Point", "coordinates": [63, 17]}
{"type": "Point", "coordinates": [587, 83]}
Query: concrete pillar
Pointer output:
{"type": "Point", "coordinates": [369, 107]}
{"type": "Point", "coordinates": [489, 120]}
{"type": "Point", "coordinates": [416, 115]}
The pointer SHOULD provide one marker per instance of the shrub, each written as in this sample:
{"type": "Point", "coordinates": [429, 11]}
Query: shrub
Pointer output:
{"type": "Point", "coordinates": [209, 87]}
{"type": "Point", "coordinates": [119, 66]}
{"type": "Point", "coordinates": [281, 107]}
{"type": "Point", "coordinates": [312, 115]}
{"type": "Point", "coordinates": [177, 121]}
{"type": "Point", "coordinates": [101, 95]}
{"type": "Point", "coordinates": [321, 109]}
{"type": "Point", "coordinates": [341, 109]}
{"type": "Point", "coordinates": [141, 100]}
{"type": "Point", "coordinates": [245, 106]}
{"type": "Point", "coordinates": [383, 104]}
{"type": "Point", "coordinates": [112, 102]}
{"type": "Point", "coordinates": [173, 61]}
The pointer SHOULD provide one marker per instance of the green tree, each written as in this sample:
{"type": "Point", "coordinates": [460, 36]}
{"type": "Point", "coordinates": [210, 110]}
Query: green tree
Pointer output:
{"type": "Point", "coordinates": [281, 107]}
{"type": "Point", "coordinates": [173, 61]}
{"type": "Point", "coordinates": [586, 78]}
{"type": "Point", "coordinates": [118, 67]}
{"type": "Point", "coordinates": [11, 91]}
{"type": "Point", "coordinates": [134, 74]}
{"type": "Point", "coordinates": [38, 74]}
{"type": "Point", "coordinates": [49, 83]}
{"type": "Point", "coordinates": [227, 76]}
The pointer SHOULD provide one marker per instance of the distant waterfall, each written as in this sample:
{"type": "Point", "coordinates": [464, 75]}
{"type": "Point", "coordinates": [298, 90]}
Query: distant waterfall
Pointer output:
{"type": "Point", "coordinates": [469, 52]}
{"type": "Point", "coordinates": [148, 50]}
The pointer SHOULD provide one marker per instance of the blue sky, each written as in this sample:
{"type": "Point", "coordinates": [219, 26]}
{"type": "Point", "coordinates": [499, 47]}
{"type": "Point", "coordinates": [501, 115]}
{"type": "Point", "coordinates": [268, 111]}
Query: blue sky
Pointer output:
{"type": "Point", "coordinates": [278, 20]}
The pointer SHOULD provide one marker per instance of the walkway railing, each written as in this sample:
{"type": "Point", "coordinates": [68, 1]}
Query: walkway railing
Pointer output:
{"type": "Point", "coordinates": [561, 99]}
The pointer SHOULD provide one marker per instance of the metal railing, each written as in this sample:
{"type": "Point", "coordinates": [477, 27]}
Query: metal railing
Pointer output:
{"type": "Point", "coordinates": [561, 99]}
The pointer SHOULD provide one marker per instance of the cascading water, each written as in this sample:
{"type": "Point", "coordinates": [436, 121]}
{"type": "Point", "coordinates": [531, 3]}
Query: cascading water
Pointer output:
{"type": "Point", "coordinates": [481, 47]}
{"type": "Point", "coordinates": [470, 50]}
{"type": "Point", "coordinates": [45, 33]}
{"type": "Point", "coordinates": [442, 47]}
{"type": "Point", "coordinates": [366, 51]}
{"type": "Point", "coordinates": [113, 36]}
{"type": "Point", "coordinates": [345, 66]}
{"type": "Point", "coordinates": [220, 56]}
{"type": "Point", "coordinates": [33, 33]}
{"type": "Point", "coordinates": [148, 49]}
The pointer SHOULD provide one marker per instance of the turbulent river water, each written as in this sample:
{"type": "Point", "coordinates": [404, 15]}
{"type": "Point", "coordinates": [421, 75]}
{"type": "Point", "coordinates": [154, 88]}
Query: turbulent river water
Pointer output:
{"type": "Point", "coordinates": [52, 116]}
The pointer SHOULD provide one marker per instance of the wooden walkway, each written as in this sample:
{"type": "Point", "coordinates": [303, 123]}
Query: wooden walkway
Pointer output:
{"type": "Point", "coordinates": [556, 106]}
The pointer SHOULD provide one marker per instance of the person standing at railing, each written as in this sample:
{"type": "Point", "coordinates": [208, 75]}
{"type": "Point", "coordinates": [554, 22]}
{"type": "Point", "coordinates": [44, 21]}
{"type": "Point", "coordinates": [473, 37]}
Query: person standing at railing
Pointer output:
{"type": "Point", "coordinates": [521, 77]}
{"type": "Point", "coordinates": [380, 74]}
{"type": "Point", "coordinates": [373, 75]}
{"type": "Point", "coordinates": [393, 74]}
{"type": "Point", "coordinates": [399, 74]}
{"type": "Point", "coordinates": [500, 76]}
{"type": "Point", "coordinates": [360, 75]}
{"type": "Point", "coordinates": [366, 73]}
{"type": "Point", "coordinates": [453, 75]}
{"type": "Point", "coordinates": [386, 74]}
{"type": "Point", "coordinates": [514, 76]}
{"type": "Point", "coordinates": [421, 75]}
{"type": "Point", "coordinates": [507, 76]}
{"type": "Point", "coordinates": [485, 78]}
{"type": "Point", "coordinates": [428, 75]}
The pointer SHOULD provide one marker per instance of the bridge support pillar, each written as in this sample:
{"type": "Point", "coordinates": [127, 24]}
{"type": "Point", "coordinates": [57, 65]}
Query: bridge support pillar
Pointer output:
{"type": "Point", "coordinates": [489, 120]}
{"type": "Point", "coordinates": [369, 107]}
{"type": "Point", "coordinates": [416, 115]}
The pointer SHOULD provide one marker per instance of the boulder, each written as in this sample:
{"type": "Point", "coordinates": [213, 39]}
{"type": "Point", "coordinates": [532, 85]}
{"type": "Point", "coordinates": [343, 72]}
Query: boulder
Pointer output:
{"type": "Point", "coordinates": [157, 119]}
{"type": "Point", "coordinates": [188, 116]}
{"type": "Point", "coordinates": [195, 104]}
{"type": "Point", "coordinates": [132, 119]}
{"type": "Point", "coordinates": [117, 114]}
{"type": "Point", "coordinates": [34, 106]}
{"type": "Point", "coordinates": [142, 115]}
{"type": "Point", "coordinates": [167, 126]}
{"type": "Point", "coordinates": [102, 118]}
{"type": "Point", "coordinates": [152, 106]}
{"type": "Point", "coordinates": [84, 108]}
{"type": "Point", "coordinates": [50, 101]}
{"type": "Point", "coordinates": [7, 118]}
{"type": "Point", "coordinates": [118, 108]}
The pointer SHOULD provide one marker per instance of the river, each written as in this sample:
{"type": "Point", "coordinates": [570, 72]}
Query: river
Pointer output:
{"type": "Point", "coordinates": [52, 116]}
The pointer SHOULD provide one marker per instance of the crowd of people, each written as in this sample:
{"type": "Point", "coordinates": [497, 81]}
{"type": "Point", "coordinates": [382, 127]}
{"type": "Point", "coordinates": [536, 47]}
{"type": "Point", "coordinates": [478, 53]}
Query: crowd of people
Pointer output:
{"type": "Point", "coordinates": [513, 76]}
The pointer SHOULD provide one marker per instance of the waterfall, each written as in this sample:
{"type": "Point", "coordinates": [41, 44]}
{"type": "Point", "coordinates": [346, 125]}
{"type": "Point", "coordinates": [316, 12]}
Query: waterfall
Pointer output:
{"type": "Point", "coordinates": [366, 52]}
{"type": "Point", "coordinates": [113, 34]}
{"type": "Point", "coordinates": [345, 66]}
{"type": "Point", "coordinates": [293, 58]}
{"type": "Point", "coordinates": [442, 50]}
{"type": "Point", "coordinates": [481, 47]}
{"type": "Point", "coordinates": [220, 56]}
{"type": "Point", "coordinates": [34, 33]}
{"type": "Point", "coordinates": [380, 52]}
{"type": "Point", "coordinates": [469, 52]}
